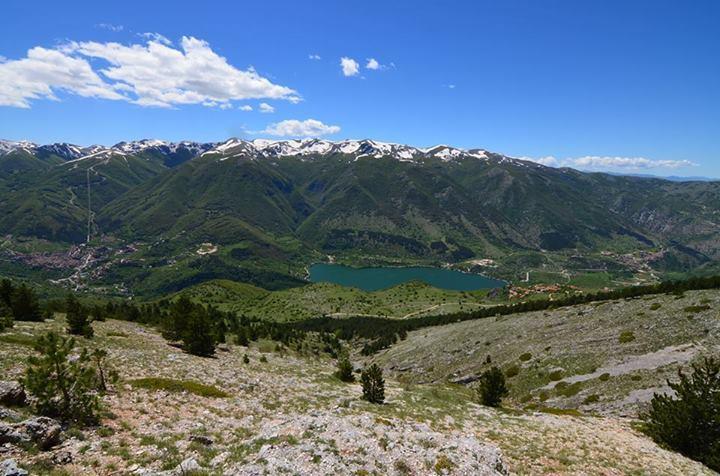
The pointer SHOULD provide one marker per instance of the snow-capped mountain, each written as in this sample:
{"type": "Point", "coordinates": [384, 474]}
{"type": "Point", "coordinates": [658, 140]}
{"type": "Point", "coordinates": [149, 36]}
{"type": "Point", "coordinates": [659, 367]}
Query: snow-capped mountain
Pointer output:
{"type": "Point", "coordinates": [7, 146]}
{"type": "Point", "coordinates": [172, 154]}
{"type": "Point", "coordinates": [163, 147]}
{"type": "Point", "coordinates": [355, 148]}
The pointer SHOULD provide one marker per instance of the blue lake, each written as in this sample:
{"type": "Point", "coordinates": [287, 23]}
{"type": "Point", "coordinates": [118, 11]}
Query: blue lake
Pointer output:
{"type": "Point", "coordinates": [372, 279]}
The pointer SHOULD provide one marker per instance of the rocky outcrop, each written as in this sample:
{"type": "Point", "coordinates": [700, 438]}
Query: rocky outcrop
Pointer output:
{"type": "Point", "coordinates": [42, 431]}
{"type": "Point", "coordinates": [9, 467]}
{"type": "Point", "coordinates": [11, 393]}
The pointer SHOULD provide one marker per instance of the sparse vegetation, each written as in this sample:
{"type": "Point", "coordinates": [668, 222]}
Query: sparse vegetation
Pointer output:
{"type": "Point", "coordinates": [172, 385]}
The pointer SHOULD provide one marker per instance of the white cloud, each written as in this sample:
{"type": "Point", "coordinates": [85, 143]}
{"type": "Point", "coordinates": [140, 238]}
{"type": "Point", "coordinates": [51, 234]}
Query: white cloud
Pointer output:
{"type": "Point", "coordinates": [295, 128]}
{"type": "Point", "coordinates": [245, 107]}
{"type": "Point", "coordinates": [315, 57]}
{"type": "Point", "coordinates": [372, 63]}
{"type": "Point", "coordinates": [266, 108]}
{"type": "Point", "coordinates": [611, 163]}
{"type": "Point", "coordinates": [635, 163]}
{"type": "Point", "coordinates": [349, 66]}
{"type": "Point", "coordinates": [110, 27]}
{"type": "Point", "coordinates": [44, 72]}
{"type": "Point", "coordinates": [157, 37]}
{"type": "Point", "coordinates": [153, 74]}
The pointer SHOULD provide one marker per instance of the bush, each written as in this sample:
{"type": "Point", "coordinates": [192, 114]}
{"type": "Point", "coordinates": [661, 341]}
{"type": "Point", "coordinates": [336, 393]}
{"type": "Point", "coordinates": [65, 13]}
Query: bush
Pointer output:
{"type": "Point", "coordinates": [525, 357]}
{"type": "Point", "coordinates": [512, 371]}
{"type": "Point", "coordinates": [626, 336]}
{"type": "Point", "coordinates": [63, 387]}
{"type": "Point", "coordinates": [492, 388]}
{"type": "Point", "coordinates": [77, 318]}
{"type": "Point", "coordinates": [689, 422]}
{"type": "Point", "coordinates": [345, 370]}
{"type": "Point", "coordinates": [556, 375]}
{"type": "Point", "coordinates": [604, 377]}
{"type": "Point", "coordinates": [373, 384]}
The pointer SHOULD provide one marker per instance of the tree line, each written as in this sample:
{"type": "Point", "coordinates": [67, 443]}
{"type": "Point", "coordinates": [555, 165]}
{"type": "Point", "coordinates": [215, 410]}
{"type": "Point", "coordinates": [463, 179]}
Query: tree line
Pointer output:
{"type": "Point", "coordinates": [381, 333]}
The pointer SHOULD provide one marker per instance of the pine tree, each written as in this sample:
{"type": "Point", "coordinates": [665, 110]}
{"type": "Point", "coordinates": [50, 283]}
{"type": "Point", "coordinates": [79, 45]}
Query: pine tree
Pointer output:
{"type": "Point", "coordinates": [345, 369]}
{"type": "Point", "coordinates": [176, 323]}
{"type": "Point", "coordinates": [689, 420]}
{"type": "Point", "coordinates": [62, 387]}
{"type": "Point", "coordinates": [7, 289]}
{"type": "Point", "coordinates": [198, 335]}
{"type": "Point", "coordinates": [373, 384]}
{"type": "Point", "coordinates": [492, 388]}
{"type": "Point", "coordinates": [24, 304]}
{"type": "Point", "coordinates": [76, 316]}
{"type": "Point", "coordinates": [6, 318]}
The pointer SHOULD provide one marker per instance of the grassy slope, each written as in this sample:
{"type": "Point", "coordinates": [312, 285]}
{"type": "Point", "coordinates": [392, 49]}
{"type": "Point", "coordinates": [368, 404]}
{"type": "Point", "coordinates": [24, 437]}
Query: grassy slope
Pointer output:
{"type": "Point", "coordinates": [574, 341]}
{"type": "Point", "coordinates": [313, 300]}
{"type": "Point", "coordinates": [290, 415]}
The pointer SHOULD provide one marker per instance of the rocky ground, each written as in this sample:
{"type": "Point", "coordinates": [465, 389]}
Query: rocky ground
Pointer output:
{"type": "Point", "coordinates": [288, 414]}
{"type": "Point", "coordinates": [601, 358]}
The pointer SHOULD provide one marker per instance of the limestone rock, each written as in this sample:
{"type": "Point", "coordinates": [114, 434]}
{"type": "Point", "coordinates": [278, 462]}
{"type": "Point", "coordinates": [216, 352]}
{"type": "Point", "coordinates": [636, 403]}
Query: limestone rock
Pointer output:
{"type": "Point", "coordinates": [12, 393]}
{"type": "Point", "coordinates": [44, 431]}
{"type": "Point", "coordinates": [10, 468]}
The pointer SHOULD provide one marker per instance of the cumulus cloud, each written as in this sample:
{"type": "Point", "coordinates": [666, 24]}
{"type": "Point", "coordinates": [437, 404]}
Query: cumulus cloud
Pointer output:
{"type": "Point", "coordinates": [151, 74]}
{"type": "Point", "coordinates": [110, 27]}
{"type": "Point", "coordinates": [245, 107]}
{"type": "Point", "coordinates": [372, 63]}
{"type": "Point", "coordinates": [349, 66]}
{"type": "Point", "coordinates": [611, 163]}
{"type": "Point", "coordinates": [296, 128]}
{"type": "Point", "coordinates": [45, 71]}
{"type": "Point", "coordinates": [266, 108]}
{"type": "Point", "coordinates": [315, 57]}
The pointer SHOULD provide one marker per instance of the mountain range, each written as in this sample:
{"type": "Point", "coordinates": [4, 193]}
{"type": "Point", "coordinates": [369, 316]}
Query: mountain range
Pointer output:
{"type": "Point", "coordinates": [276, 206]}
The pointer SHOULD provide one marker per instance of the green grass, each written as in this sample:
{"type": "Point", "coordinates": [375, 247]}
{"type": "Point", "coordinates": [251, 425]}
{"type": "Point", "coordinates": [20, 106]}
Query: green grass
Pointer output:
{"type": "Point", "coordinates": [172, 385]}
{"type": "Point", "coordinates": [18, 339]}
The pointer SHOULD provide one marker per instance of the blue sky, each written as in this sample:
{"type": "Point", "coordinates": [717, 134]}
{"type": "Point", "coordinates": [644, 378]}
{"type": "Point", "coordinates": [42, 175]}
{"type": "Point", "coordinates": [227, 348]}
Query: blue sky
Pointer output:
{"type": "Point", "coordinates": [610, 85]}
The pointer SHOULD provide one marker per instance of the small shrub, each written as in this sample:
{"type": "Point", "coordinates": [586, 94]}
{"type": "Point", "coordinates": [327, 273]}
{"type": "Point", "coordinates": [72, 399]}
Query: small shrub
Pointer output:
{"type": "Point", "coordinates": [373, 384]}
{"type": "Point", "coordinates": [689, 421]}
{"type": "Point", "coordinates": [655, 306]}
{"type": "Point", "coordinates": [345, 370]}
{"type": "Point", "coordinates": [443, 464]}
{"type": "Point", "coordinates": [525, 357]}
{"type": "Point", "coordinates": [246, 359]}
{"type": "Point", "coordinates": [591, 399]}
{"type": "Point", "coordinates": [492, 388]}
{"type": "Point", "coordinates": [626, 336]}
{"type": "Point", "coordinates": [263, 359]}
{"type": "Point", "coordinates": [697, 308]}
{"type": "Point", "coordinates": [556, 375]}
{"type": "Point", "coordinates": [604, 377]}
{"type": "Point", "coordinates": [512, 371]}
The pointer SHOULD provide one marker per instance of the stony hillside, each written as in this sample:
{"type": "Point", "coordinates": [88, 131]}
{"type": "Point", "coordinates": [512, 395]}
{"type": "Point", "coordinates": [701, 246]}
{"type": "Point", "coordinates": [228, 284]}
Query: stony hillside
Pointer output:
{"type": "Point", "coordinates": [289, 414]}
{"type": "Point", "coordinates": [604, 357]}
